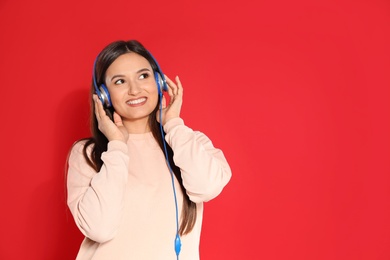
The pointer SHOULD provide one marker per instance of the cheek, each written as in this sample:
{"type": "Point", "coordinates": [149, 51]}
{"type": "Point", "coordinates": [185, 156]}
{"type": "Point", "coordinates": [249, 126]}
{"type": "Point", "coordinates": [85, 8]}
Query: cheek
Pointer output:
{"type": "Point", "coordinates": [115, 94]}
{"type": "Point", "coordinates": [152, 89]}
{"type": "Point", "coordinates": [154, 95]}
{"type": "Point", "coordinates": [152, 86]}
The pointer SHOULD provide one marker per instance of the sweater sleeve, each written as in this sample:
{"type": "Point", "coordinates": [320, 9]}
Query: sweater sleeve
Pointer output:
{"type": "Point", "coordinates": [204, 168]}
{"type": "Point", "coordinates": [96, 199]}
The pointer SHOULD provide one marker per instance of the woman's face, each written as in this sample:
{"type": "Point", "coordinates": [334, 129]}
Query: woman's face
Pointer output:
{"type": "Point", "coordinates": [132, 87]}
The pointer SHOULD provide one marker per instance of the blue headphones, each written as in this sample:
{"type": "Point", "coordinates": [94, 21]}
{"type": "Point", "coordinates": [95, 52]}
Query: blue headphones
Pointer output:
{"type": "Point", "coordinates": [104, 95]}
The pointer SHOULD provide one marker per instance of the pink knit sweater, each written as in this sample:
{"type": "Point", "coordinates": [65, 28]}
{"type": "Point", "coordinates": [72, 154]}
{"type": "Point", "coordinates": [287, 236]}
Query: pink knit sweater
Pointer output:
{"type": "Point", "coordinates": [127, 210]}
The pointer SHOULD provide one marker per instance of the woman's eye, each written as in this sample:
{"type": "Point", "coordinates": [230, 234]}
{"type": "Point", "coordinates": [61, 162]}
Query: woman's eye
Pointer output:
{"type": "Point", "coordinates": [119, 81]}
{"type": "Point", "coordinates": [144, 76]}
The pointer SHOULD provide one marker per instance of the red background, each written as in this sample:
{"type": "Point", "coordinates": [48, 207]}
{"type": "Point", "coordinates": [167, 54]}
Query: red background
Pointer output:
{"type": "Point", "coordinates": [296, 93]}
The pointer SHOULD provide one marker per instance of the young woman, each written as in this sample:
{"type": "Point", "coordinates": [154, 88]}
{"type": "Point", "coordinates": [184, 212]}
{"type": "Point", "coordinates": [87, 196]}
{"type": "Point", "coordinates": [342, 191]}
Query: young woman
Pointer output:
{"type": "Point", "coordinates": [136, 188]}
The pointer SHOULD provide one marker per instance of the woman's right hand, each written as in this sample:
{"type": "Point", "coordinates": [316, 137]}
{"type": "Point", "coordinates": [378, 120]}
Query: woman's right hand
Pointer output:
{"type": "Point", "coordinates": [112, 130]}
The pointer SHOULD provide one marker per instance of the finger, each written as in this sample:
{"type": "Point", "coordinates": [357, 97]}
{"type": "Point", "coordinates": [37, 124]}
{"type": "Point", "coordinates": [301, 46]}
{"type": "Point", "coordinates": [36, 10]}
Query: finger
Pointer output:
{"type": "Point", "coordinates": [96, 104]}
{"type": "Point", "coordinates": [117, 119]}
{"type": "Point", "coordinates": [179, 86]}
{"type": "Point", "coordinates": [100, 112]}
{"type": "Point", "coordinates": [172, 86]}
{"type": "Point", "coordinates": [169, 88]}
{"type": "Point", "coordinates": [164, 102]}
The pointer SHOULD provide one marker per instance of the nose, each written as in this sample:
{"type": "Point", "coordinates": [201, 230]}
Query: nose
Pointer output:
{"type": "Point", "coordinates": [134, 88]}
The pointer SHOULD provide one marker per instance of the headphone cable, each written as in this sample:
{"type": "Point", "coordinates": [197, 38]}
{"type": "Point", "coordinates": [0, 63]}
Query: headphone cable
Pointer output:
{"type": "Point", "coordinates": [177, 238]}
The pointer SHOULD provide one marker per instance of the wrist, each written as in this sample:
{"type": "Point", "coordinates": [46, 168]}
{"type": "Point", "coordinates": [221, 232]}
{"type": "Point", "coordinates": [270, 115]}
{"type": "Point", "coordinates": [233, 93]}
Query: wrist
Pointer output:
{"type": "Point", "coordinates": [172, 123]}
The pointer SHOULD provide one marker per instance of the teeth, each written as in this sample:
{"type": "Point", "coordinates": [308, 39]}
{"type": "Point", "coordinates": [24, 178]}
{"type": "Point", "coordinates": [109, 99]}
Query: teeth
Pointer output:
{"type": "Point", "coordinates": [134, 102]}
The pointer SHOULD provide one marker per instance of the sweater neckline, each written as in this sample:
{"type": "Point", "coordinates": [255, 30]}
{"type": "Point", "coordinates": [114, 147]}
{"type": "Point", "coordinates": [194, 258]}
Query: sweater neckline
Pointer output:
{"type": "Point", "coordinates": [143, 136]}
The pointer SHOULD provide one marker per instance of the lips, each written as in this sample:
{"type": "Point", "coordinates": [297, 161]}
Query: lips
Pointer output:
{"type": "Point", "coordinates": [135, 102]}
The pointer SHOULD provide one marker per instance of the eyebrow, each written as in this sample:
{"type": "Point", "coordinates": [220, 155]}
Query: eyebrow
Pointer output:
{"type": "Point", "coordinates": [121, 76]}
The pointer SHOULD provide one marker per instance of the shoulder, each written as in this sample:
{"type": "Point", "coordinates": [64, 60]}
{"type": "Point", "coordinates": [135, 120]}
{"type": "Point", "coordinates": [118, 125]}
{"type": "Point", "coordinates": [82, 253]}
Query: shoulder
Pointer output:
{"type": "Point", "coordinates": [80, 148]}
{"type": "Point", "coordinates": [77, 157]}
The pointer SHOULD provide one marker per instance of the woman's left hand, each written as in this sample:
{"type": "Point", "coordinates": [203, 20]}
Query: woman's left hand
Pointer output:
{"type": "Point", "coordinates": [172, 110]}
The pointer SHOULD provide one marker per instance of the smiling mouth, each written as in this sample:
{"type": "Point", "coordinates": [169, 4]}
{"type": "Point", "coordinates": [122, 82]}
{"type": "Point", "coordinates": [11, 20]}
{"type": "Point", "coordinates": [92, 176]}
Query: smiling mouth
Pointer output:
{"type": "Point", "coordinates": [136, 101]}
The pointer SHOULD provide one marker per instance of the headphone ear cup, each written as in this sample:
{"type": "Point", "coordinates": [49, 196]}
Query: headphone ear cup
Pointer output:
{"type": "Point", "coordinates": [159, 81]}
{"type": "Point", "coordinates": [105, 96]}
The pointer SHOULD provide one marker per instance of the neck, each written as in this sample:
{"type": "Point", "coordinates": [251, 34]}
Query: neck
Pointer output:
{"type": "Point", "coordinates": [139, 126]}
